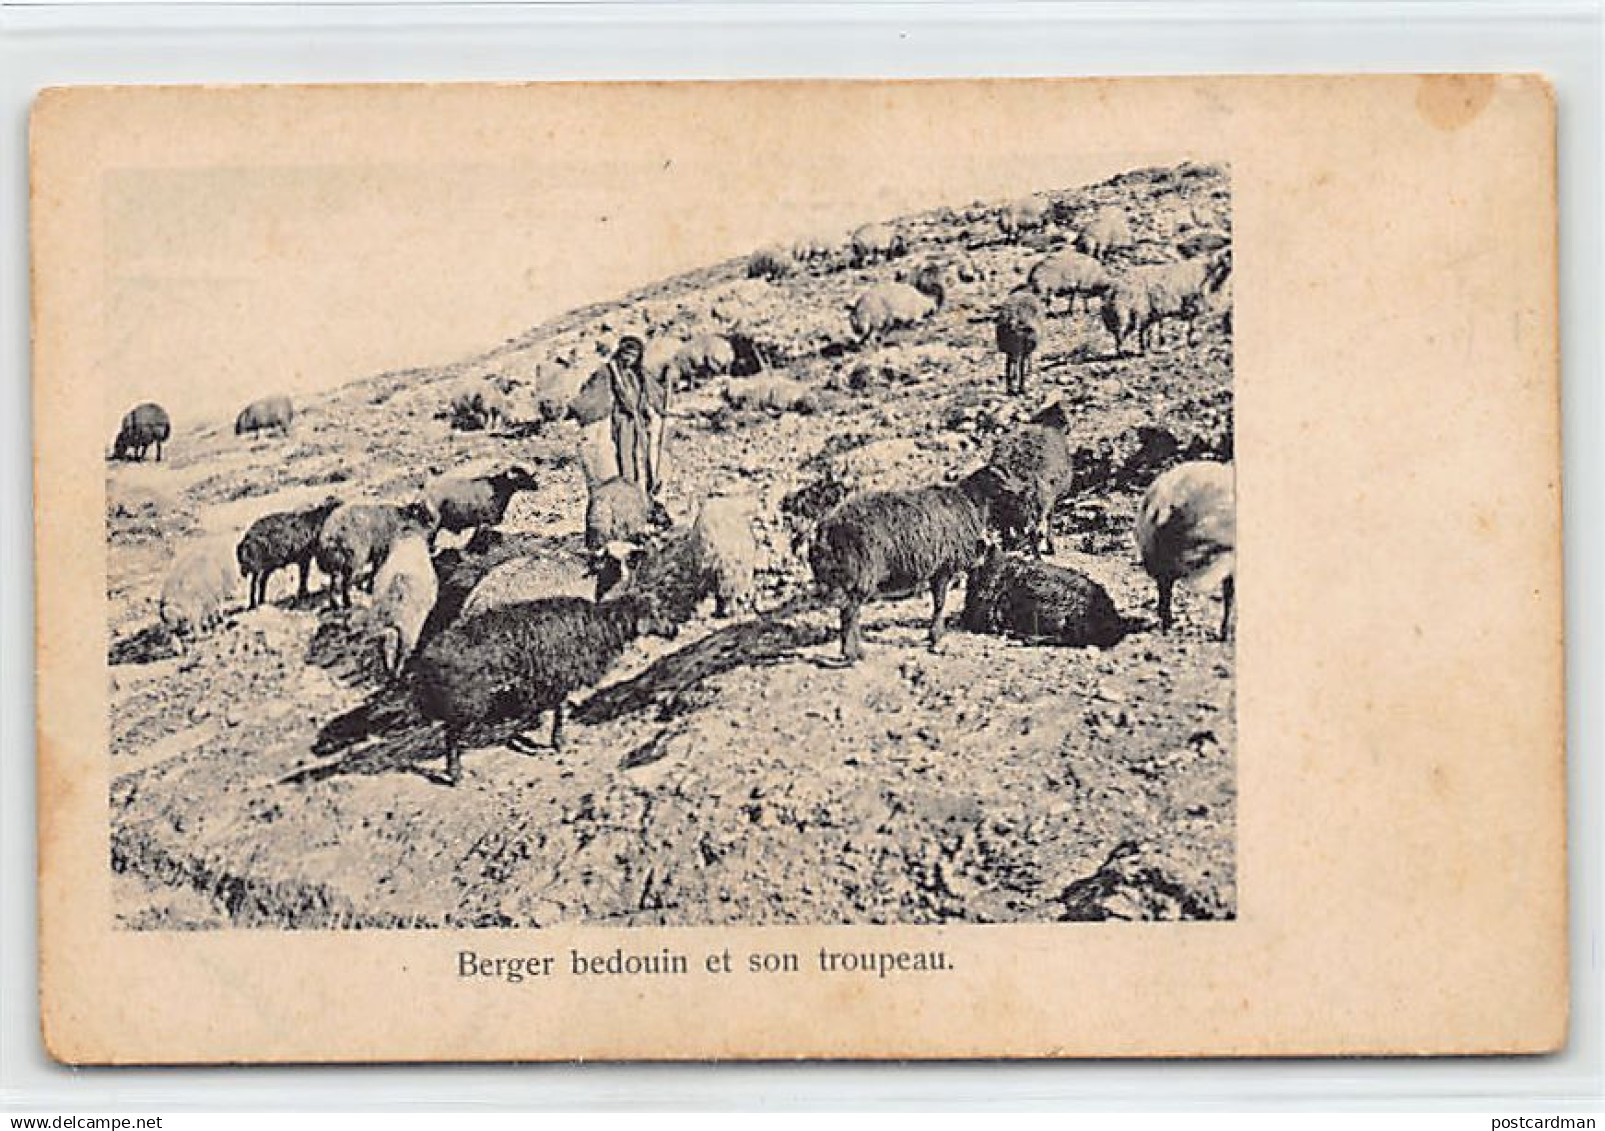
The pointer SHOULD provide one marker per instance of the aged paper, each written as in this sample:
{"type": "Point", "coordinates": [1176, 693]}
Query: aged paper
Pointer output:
{"type": "Point", "coordinates": [697, 412]}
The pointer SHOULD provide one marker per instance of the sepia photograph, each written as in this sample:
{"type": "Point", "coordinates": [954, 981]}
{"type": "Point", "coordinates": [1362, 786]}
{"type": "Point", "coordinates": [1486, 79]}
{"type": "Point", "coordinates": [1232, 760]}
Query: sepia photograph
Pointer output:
{"type": "Point", "coordinates": [627, 552]}
{"type": "Point", "coordinates": [879, 574]}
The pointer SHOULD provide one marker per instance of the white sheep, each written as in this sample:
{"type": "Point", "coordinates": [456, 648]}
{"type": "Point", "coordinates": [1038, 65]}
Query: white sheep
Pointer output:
{"type": "Point", "coordinates": [726, 552]}
{"type": "Point", "coordinates": [405, 590]}
{"type": "Point", "coordinates": [887, 306]}
{"type": "Point", "coordinates": [198, 587]}
{"type": "Point", "coordinates": [1070, 273]}
{"type": "Point", "coordinates": [703, 356]}
{"type": "Point", "coordinates": [1022, 216]}
{"type": "Point", "coordinates": [1184, 290]}
{"type": "Point", "coordinates": [1187, 531]}
{"type": "Point", "coordinates": [873, 242]}
{"type": "Point", "coordinates": [1107, 231]}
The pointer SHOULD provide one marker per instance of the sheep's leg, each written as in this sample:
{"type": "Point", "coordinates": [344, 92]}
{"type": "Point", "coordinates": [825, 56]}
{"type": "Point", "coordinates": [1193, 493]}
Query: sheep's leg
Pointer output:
{"type": "Point", "coordinates": [454, 756]}
{"type": "Point", "coordinates": [557, 726]}
{"type": "Point", "coordinates": [1165, 586]}
{"type": "Point", "coordinates": [306, 578]}
{"type": "Point", "coordinates": [852, 646]}
{"type": "Point", "coordinates": [1228, 593]}
{"type": "Point", "coordinates": [939, 587]}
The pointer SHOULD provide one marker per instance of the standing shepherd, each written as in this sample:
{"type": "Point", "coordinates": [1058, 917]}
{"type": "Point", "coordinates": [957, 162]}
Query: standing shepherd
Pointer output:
{"type": "Point", "coordinates": [632, 404]}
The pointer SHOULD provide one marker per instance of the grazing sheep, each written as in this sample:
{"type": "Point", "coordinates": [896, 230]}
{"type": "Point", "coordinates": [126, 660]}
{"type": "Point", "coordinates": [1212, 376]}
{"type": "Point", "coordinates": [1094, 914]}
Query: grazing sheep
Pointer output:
{"type": "Point", "coordinates": [704, 356]}
{"type": "Point", "coordinates": [772, 263]}
{"type": "Point", "coordinates": [459, 504]}
{"type": "Point", "coordinates": [404, 593]}
{"type": "Point", "coordinates": [143, 426]}
{"type": "Point", "coordinates": [1073, 274]}
{"type": "Point", "coordinates": [1181, 290]}
{"type": "Point", "coordinates": [356, 539]}
{"type": "Point", "coordinates": [1187, 531]}
{"type": "Point", "coordinates": [726, 552]}
{"type": "Point", "coordinates": [1019, 328]}
{"type": "Point", "coordinates": [1108, 231]}
{"type": "Point", "coordinates": [619, 511]}
{"type": "Point", "coordinates": [274, 412]}
{"type": "Point", "coordinates": [929, 279]}
{"type": "Point", "coordinates": [1033, 461]}
{"type": "Point", "coordinates": [282, 539]}
{"type": "Point", "coordinates": [1022, 216]}
{"type": "Point", "coordinates": [660, 359]}
{"type": "Point", "coordinates": [887, 306]}
{"type": "Point", "coordinates": [874, 242]}
{"type": "Point", "coordinates": [197, 588]}
{"type": "Point", "coordinates": [1126, 314]}
{"type": "Point", "coordinates": [890, 542]}
{"type": "Point", "coordinates": [479, 410]}
{"type": "Point", "coordinates": [1012, 596]}
{"type": "Point", "coordinates": [813, 249]}
{"type": "Point", "coordinates": [511, 663]}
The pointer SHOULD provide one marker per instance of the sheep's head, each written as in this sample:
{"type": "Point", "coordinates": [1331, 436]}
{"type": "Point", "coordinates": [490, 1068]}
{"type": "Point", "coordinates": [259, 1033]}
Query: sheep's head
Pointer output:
{"type": "Point", "coordinates": [613, 565]}
{"type": "Point", "coordinates": [517, 479]}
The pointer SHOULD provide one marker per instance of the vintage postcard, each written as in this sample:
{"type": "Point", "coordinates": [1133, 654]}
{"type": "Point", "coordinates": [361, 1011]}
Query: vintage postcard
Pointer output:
{"type": "Point", "coordinates": [799, 569]}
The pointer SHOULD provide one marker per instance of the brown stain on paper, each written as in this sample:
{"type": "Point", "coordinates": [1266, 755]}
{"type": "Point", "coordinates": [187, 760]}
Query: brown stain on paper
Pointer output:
{"type": "Point", "coordinates": [1452, 101]}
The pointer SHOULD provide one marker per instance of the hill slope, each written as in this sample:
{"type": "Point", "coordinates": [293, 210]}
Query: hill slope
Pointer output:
{"type": "Point", "coordinates": [736, 774]}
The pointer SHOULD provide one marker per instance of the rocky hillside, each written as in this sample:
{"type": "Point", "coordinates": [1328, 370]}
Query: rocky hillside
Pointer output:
{"type": "Point", "coordinates": [737, 773]}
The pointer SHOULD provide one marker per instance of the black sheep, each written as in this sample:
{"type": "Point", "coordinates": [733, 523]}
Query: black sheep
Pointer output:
{"type": "Point", "coordinates": [1014, 596]}
{"type": "Point", "coordinates": [282, 539]}
{"type": "Point", "coordinates": [885, 543]}
{"type": "Point", "coordinates": [143, 426]}
{"type": "Point", "coordinates": [1034, 461]}
{"type": "Point", "coordinates": [511, 663]}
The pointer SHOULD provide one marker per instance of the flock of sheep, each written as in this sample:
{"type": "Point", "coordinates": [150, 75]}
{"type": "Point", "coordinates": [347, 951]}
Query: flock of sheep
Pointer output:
{"type": "Point", "coordinates": [490, 632]}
